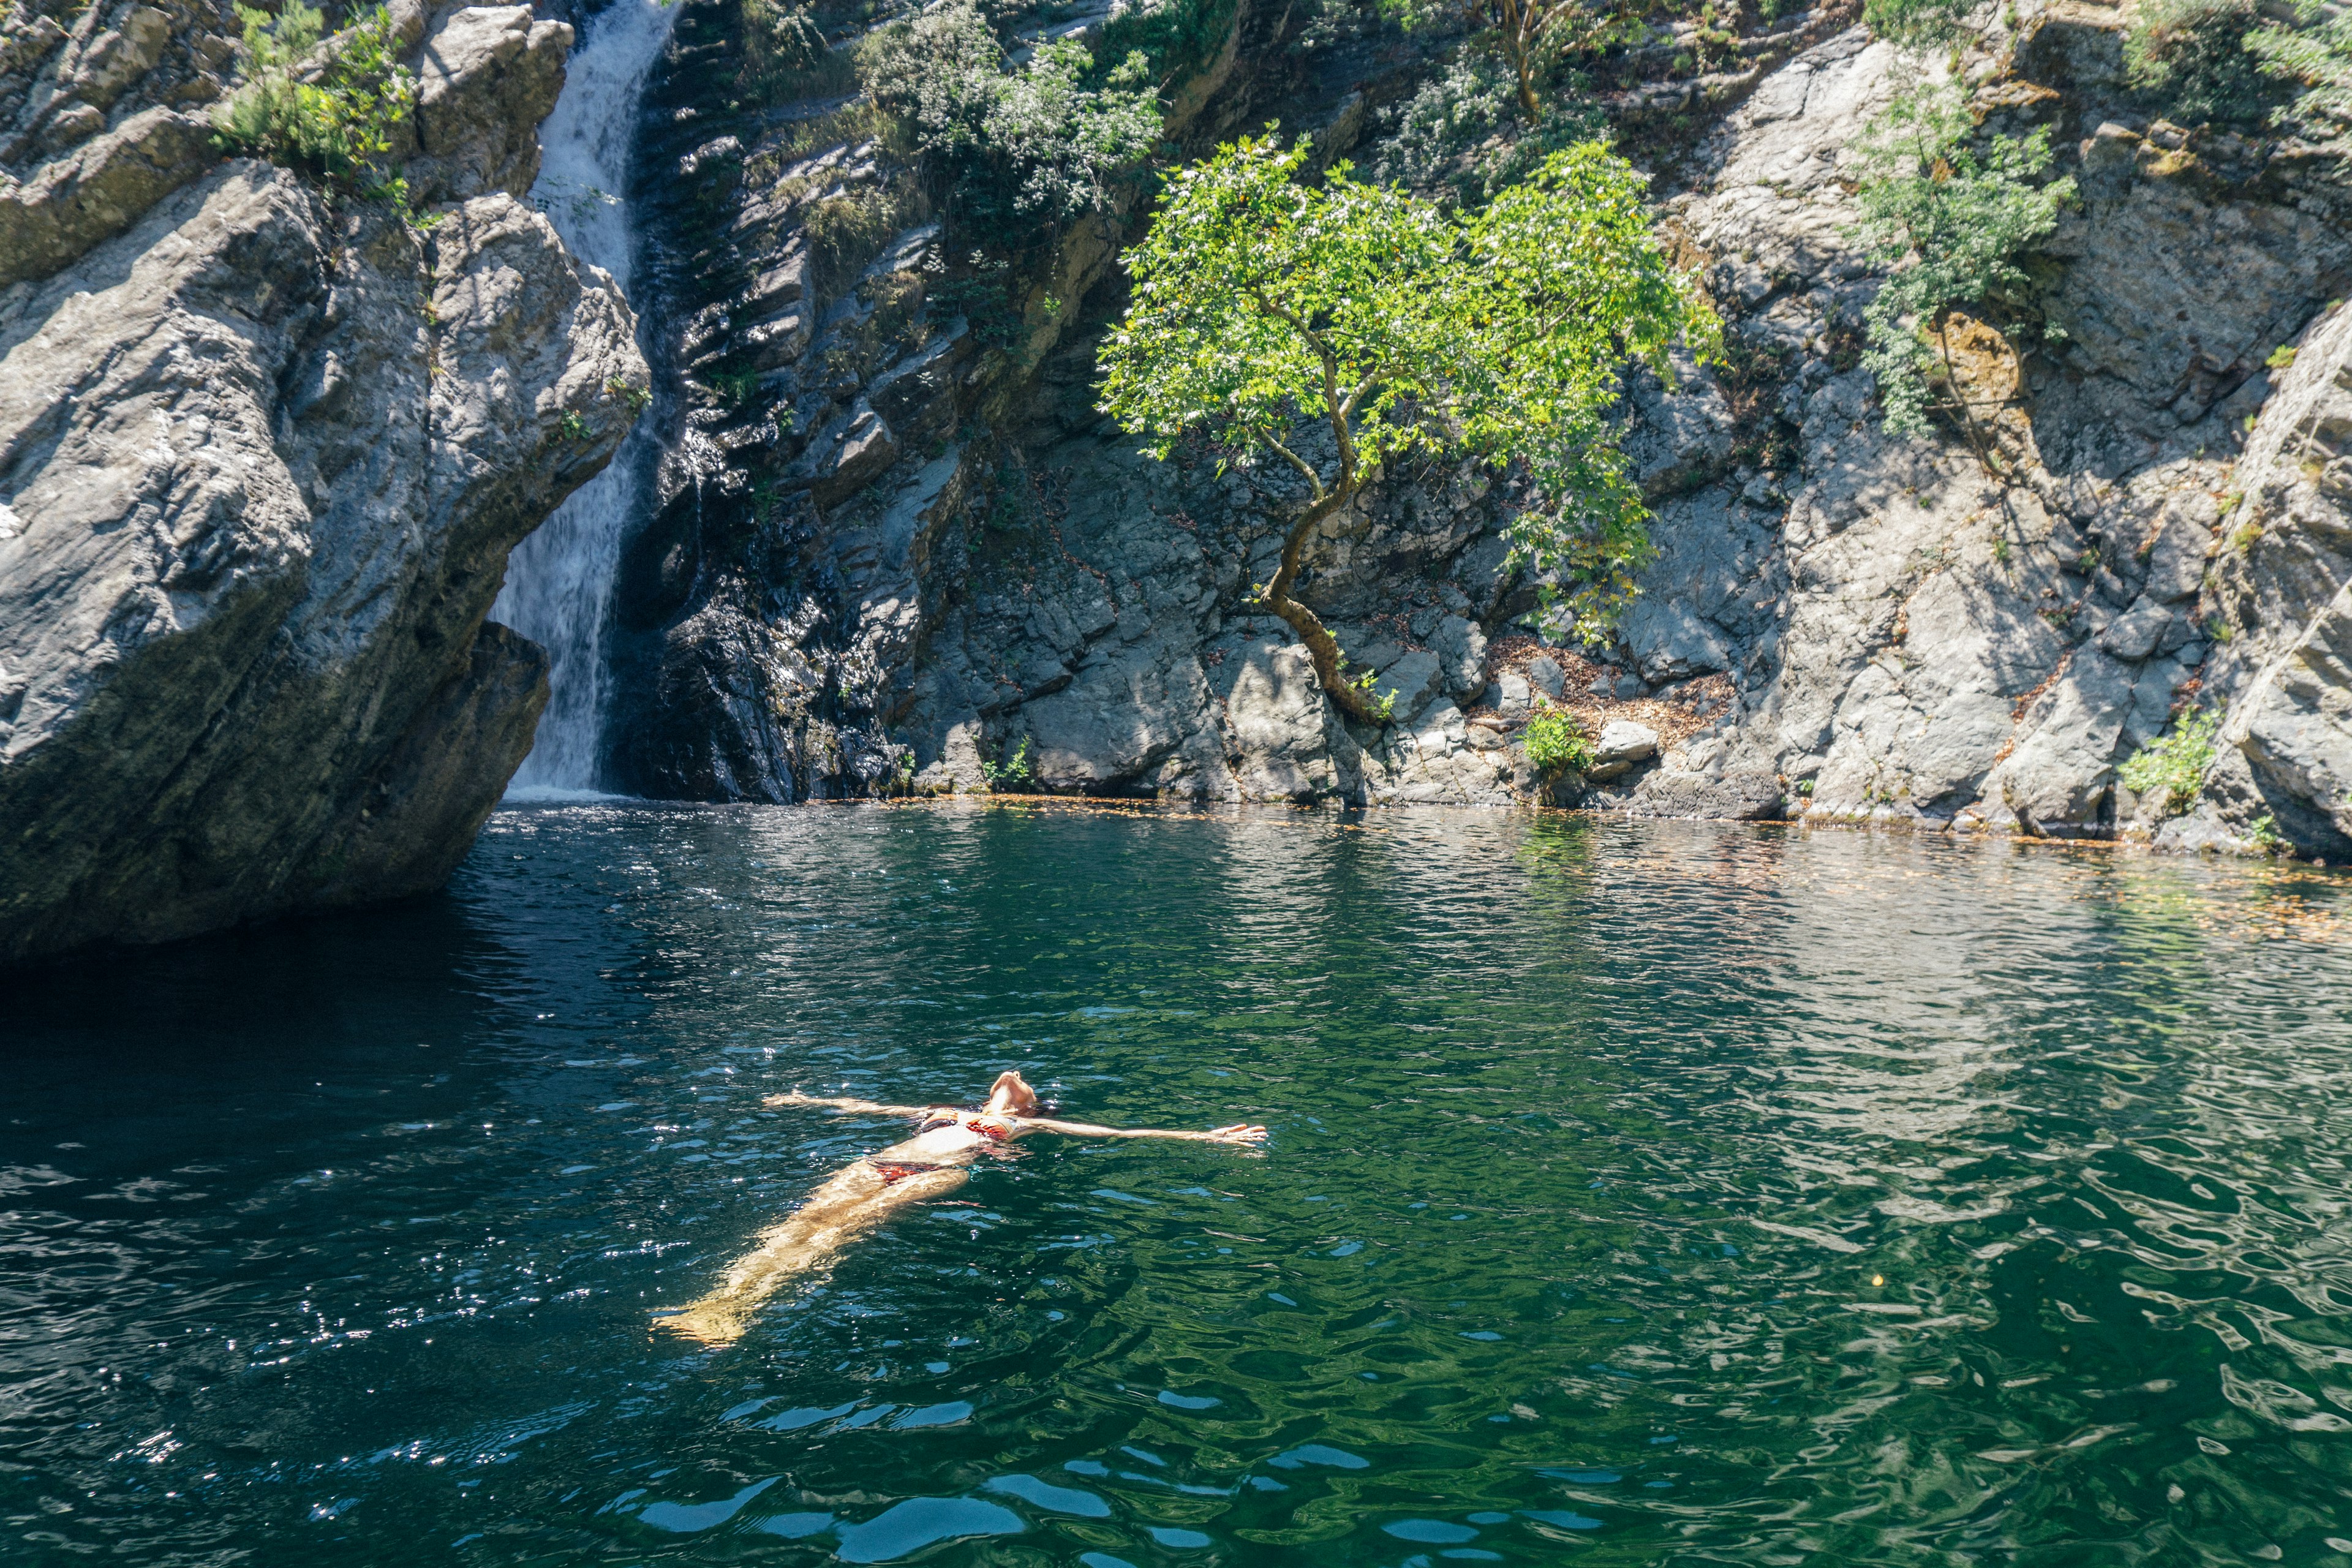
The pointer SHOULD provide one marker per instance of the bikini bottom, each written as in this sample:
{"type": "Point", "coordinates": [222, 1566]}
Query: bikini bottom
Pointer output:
{"type": "Point", "coordinates": [893, 1172]}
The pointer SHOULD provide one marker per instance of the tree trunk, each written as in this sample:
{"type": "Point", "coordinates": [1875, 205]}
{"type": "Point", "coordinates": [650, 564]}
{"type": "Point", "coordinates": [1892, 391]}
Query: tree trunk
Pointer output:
{"type": "Point", "coordinates": [1527, 105]}
{"type": "Point", "coordinates": [1322, 648]}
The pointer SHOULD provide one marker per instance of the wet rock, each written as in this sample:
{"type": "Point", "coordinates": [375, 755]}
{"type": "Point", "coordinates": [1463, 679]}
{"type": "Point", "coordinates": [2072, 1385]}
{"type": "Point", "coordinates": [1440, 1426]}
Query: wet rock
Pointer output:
{"type": "Point", "coordinates": [1736, 797]}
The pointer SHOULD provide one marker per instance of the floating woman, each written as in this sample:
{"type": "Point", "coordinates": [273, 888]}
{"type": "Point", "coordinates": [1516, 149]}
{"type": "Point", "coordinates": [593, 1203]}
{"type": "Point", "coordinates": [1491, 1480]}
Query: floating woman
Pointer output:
{"type": "Point", "coordinates": [931, 1165]}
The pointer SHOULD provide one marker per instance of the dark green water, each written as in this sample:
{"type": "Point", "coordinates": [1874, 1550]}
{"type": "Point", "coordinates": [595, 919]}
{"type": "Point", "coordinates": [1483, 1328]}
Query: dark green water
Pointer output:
{"type": "Point", "coordinates": [1648, 1194]}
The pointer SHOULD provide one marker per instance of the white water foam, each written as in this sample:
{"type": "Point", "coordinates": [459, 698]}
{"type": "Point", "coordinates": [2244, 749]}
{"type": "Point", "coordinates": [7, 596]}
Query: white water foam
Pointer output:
{"type": "Point", "coordinates": [556, 794]}
{"type": "Point", "coordinates": [559, 588]}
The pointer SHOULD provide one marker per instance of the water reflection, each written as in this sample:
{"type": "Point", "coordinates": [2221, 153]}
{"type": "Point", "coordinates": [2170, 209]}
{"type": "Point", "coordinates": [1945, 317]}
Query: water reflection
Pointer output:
{"type": "Point", "coordinates": [1670, 1193]}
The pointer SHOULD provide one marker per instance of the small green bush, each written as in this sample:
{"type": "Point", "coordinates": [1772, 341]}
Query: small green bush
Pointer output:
{"type": "Point", "coordinates": [2193, 55]}
{"type": "Point", "coordinates": [1556, 741]}
{"type": "Point", "coordinates": [2174, 763]}
{"type": "Point", "coordinates": [1013, 774]}
{"type": "Point", "coordinates": [1012, 153]}
{"type": "Point", "coordinates": [1949, 222]}
{"type": "Point", "coordinates": [340, 124]}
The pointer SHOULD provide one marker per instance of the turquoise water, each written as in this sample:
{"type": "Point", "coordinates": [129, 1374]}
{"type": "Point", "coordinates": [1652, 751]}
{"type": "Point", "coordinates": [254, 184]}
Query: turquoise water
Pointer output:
{"type": "Point", "coordinates": [1638, 1194]}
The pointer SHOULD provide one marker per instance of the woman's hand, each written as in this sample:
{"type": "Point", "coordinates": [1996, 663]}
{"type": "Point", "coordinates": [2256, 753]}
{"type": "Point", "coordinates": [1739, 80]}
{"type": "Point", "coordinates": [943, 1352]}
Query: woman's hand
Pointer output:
{"type": "Point", "coordinates": [1239, 1133]}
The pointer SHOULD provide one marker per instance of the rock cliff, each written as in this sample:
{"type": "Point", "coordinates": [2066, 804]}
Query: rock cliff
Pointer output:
{"type": "Point", "coordinates": [887, 555]}
{"type": "Point", "coordinates": [1916, 640]}
{"type": "Point", "coordinates": [263, 447]}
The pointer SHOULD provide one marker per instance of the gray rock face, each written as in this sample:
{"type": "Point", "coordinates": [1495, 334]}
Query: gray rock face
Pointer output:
{"type": "Point", "coordinates": [1917, 638]}
{"type": "Point", "coordinates": [487, 76]}
{"type": "Point", "coordinates": [2285, 587]}
{"type": "Point", "coordinates": [262, 459]}
{"type": "Point", "coordinates": [1924, 642]}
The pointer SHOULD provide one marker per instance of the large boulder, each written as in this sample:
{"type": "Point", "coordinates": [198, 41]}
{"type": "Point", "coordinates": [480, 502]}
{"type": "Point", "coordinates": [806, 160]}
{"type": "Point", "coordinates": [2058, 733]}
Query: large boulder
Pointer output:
{"type": "Point", "coordinates": [259, 504]}
{"type": "Point", "coordinates": [487, 76]}
{"type": "Point", "coordinates": [263, 453]}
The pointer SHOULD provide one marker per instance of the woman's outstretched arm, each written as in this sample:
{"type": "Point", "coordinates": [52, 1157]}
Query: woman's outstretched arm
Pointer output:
{"type": "Point", "coordinates": [863, 1107]}
{"type": "Point", "coordinates": [1239, 1133]}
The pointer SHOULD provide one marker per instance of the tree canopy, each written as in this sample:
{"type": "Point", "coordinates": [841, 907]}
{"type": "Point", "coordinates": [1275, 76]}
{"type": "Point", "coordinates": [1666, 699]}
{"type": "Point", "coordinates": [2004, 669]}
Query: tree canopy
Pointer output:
{"type": "Point", "coordinates": [1338, 328]}
{"type": "Point", "coordinates": [1529, 33]}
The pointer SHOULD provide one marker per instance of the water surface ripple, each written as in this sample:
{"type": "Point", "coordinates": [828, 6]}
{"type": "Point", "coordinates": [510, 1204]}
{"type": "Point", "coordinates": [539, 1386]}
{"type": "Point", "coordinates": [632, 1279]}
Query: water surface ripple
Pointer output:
{"type": "Point", "coordinates": [1639, 1194]}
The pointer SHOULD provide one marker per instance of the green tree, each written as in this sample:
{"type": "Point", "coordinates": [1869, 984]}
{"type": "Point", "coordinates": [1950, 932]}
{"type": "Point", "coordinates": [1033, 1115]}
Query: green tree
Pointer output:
{"type": "Point", "coordinates": [1948, 223]}
{"type": "Point", "coordinates": [1338, 328]}
{"type": "Point", "coordinates": [1528, 33]}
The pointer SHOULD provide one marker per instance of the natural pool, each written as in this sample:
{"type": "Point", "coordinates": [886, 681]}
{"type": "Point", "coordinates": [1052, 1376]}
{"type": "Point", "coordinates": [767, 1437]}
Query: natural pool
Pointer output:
{"type": "Point", "coordinates": [1638, 1194]}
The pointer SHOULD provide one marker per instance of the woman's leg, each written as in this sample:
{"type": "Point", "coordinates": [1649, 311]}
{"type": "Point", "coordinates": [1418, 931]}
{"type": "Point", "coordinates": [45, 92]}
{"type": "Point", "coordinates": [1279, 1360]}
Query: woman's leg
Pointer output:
{"type": "Point", "coordinates": [848, 1204]}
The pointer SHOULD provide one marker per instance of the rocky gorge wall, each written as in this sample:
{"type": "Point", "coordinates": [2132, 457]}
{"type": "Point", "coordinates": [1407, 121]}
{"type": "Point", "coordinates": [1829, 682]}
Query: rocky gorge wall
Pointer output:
{"type": "Point", "coordinates": [891, 557]}
{"type": "Point", "coordinates": [1916, 641]}
{"type": "Point", "coordinates": [263, 449]}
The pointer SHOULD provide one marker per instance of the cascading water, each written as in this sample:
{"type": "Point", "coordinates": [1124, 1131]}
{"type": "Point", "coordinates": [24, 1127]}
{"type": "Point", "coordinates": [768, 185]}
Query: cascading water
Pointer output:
{"type": "Point", "coordinates": [559, 588]}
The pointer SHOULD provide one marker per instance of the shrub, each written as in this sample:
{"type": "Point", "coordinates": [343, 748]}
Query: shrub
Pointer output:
{"type": "Point", "coordinates": [786, 56]}
{"type": "Point", "coordinates": [2314, 52]}
{"type": "Point", "coordinates": [336, 125]}
{"type": "Point", "coordinates": [1949, 222]}
{"type": "Point", "coordinates": [2192, 53]}
{"type": "Point", "coordinates": [1919, 22]}
{"type": "Point", "coordinates": [1012, 776]}
{"type": "Point", "coordinates": [1176, 37]}
{"type": "Point", "coordinates": [1556, 741]}
{"type": "Point", "coordinates": [2174, 763]}
{"type": "Point", "coordinates": [1013, 154]}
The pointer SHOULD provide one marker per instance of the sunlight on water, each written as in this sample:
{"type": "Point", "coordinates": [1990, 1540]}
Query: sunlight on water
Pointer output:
{"type": "Point", "coordinates": [1638, 1194]}
{"type": "Point", "coordinates": [559, 588]}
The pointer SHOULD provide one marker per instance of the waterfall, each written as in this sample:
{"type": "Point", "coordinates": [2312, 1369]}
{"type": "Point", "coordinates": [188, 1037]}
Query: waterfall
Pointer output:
{"type": "Point", "coordinates": [559, 587]}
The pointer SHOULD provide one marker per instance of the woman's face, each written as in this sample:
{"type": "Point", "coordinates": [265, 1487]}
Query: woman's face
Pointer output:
{"type": "Point", "coordinates": [1012, 1096]}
